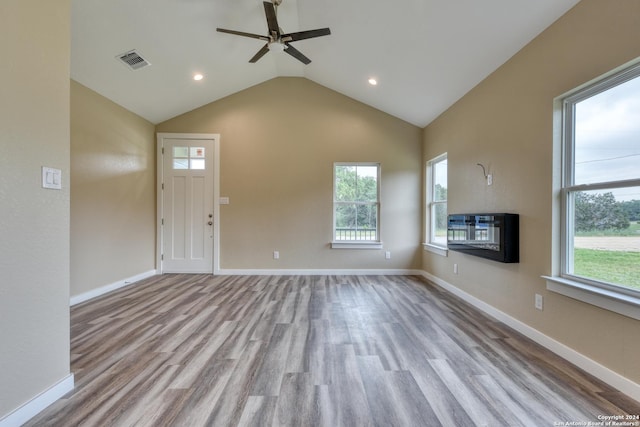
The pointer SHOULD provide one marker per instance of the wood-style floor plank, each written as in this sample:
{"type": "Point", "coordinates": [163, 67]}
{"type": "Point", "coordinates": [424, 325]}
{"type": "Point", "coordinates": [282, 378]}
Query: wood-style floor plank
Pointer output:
{"type": "Point", "coordinates": [201, 350]}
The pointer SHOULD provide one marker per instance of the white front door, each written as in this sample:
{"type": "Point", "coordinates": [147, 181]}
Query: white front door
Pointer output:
{"type": "Point", "coordinates": [187, 204]}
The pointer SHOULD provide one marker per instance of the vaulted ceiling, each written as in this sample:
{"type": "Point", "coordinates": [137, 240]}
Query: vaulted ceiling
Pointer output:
{"type": "Point", "coordinates": [425, 54]}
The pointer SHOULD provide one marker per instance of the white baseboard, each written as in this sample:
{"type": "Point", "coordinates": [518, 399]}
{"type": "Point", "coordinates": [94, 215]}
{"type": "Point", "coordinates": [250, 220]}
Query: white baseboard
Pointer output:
{"type": "Point", "coordinates": [77, 299]}
{"type": "Point", "coordinates": [33, 407]}
{"type": "Point", "coordinates": [317, 272]}
{"type": "Point", "coordinates": [599, 371]}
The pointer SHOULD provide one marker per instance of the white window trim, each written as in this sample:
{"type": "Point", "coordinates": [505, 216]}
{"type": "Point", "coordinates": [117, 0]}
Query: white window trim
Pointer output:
{"type": "Point", "coordinates": [428, 244]}
{"type": "Point", "coordinates": [436, 249]}
{"type": "Point", "coordinates": [357, 244]}
{"type": "Point", "coordinates": [609, 297]}
{"type": "Point", "coordinates": [618, 302]}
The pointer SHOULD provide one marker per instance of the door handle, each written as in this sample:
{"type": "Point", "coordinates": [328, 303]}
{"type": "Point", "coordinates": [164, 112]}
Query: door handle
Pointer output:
{"type": "Point", "coordinates": [210, 223]}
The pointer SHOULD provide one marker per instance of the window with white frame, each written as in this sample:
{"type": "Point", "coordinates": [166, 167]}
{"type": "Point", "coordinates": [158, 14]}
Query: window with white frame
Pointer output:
{"type": "Point", "coordinates": [600, 239]}
{"type": "Point", "coordinates": [356, 203]}
{"type": "Point", "coordinates": [436, 224]}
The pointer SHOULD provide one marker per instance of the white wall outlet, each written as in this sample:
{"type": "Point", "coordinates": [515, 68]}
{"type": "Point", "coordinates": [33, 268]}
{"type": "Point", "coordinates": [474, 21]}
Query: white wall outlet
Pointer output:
{"type": "Point", "coordinates": [455, 268]}
{"type": "Point", "coordinates": [276, 255]}
{"type": "Point", "coordinates": [489, 179]}
{"type": "Point", "coordinates": [539, 302]}
{"type": "Point", "coordinates": [387, 255]}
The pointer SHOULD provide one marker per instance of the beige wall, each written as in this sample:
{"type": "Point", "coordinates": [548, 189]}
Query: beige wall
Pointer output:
{"type": "Point", "coordinates": [113, 208]}
{"type": "Point", "coordinates": [506, 124]}
{"type": "Point", "coordinates": [34, 222]}
{"type": "Point", "coordinates": [278, 144]}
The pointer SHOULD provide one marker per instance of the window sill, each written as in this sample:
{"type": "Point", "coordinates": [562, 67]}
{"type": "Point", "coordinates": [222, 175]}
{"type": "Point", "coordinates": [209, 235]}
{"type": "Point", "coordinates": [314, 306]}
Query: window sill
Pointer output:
{"type": "Point", "coordinates": [356, 245]}
{"type": "Point", "coordinates": [440, 250]}
{"type": "Point", "coordinates": [620, 303]}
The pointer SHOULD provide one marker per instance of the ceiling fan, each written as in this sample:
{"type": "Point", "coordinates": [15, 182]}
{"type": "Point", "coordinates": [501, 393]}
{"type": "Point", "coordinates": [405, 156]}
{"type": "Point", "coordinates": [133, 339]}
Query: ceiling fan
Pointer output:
{"type": "Point", "coordinates": [277, 40]}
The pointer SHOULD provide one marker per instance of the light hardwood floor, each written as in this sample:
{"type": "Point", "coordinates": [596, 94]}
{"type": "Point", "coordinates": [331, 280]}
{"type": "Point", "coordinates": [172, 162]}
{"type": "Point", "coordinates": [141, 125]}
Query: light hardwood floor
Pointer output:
{"type": "Point", "coordinates": [196, 350]}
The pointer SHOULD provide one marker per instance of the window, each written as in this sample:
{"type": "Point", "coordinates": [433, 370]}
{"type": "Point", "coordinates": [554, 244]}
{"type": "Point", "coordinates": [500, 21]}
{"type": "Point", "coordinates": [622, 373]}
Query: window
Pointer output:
{"type": "Point", "coordinates": [188, 158]}
{"type": "Point", "coordinates": [356, 205]}
{"type": "Point", "coordinates": [600, 239]}
{"type": "Point", "coordinates": [436, 222]}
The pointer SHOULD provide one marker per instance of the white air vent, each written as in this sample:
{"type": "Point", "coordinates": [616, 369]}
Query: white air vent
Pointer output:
{"type": "Point", "coordinates": [133, 60]}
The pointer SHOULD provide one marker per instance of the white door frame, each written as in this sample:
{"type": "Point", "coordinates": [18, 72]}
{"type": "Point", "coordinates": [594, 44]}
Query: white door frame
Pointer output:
{"type": "Point", "coordinates": [161, 136]}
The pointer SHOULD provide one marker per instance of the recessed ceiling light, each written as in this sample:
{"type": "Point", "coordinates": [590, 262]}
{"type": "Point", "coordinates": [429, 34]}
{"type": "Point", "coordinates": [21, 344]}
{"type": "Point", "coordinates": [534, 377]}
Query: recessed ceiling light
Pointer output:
{"type": "Point", "coordinates": [198, 77]}
{"type": "Point", "coordinates": [373, 81]}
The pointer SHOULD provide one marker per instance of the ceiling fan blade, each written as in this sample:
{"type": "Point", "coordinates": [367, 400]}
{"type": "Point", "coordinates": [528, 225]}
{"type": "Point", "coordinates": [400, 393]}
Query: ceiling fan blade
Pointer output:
{"type": "Point", "coordinates": [240, 33]}
{"type": "Point", "coordinates": [272, 20]}
{"type": "Point", "coordinates": [297, 54]}
{"type": "Point", "coordinates": [260, 53]}
{"type": "Point", "coordinates": [301, 35]}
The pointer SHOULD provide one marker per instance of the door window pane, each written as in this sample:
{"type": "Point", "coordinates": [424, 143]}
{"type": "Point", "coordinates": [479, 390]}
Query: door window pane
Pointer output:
{"type": "Point", "coordinates": [189, 158]}
{"type": "Point", "coordinates": [180, 152]}
{"type": "Point", "coordinates": [197, 152]}
{"type": "Point", "coordinates": [181, 163]}
{"type": "Point", "coordinates": [197, 163]}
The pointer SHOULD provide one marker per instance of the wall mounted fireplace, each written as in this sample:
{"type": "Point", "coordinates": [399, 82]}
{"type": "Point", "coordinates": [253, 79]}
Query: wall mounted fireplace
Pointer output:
{"type": "Point", "coordinates": [489, 235]}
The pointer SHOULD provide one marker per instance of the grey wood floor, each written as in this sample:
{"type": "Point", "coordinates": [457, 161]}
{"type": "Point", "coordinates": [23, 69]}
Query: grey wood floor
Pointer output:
{"type": "Point", "coordinates": [196, 350]}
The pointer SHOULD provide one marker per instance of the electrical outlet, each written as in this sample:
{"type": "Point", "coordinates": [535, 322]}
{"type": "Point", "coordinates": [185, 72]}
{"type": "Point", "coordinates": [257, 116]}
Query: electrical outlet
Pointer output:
{"type": "Point", "coordinates": [539, 302]}
{"type": "Point", "coordinates": [387, 255]}
{"type": "Point", "coordinates": [489, 179]}
{"type": "Point", "coordinates": [455, 268]}
{"type": "Point", "coordinates": [276, 255]}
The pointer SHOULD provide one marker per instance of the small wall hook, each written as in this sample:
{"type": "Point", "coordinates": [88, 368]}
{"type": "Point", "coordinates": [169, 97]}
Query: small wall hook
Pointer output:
{"type": "Point", "coordinates": [484, 171]}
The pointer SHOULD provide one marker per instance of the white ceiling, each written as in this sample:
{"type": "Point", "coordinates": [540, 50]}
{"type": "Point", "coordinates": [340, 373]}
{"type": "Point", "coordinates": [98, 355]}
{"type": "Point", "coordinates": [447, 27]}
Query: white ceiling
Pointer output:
{"type": "Point", "coordinates": [425, 54]}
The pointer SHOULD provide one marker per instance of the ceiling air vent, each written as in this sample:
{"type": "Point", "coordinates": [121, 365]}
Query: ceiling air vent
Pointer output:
{"type": "Point", "coordinates": [133, 60]}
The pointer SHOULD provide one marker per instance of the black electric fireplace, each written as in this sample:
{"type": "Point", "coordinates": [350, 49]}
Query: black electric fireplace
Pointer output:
{"type": "Point", "coordinates": [494, 236]}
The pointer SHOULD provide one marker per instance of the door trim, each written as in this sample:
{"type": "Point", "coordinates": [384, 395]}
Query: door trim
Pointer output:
{"type": "Point", "coordinates": [161, 136]}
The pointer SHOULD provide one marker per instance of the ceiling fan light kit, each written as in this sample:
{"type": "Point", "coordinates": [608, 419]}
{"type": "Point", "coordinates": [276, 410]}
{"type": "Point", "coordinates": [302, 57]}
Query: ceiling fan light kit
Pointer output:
{"type": "Point", "coordinates": [276, 47]}
{"type": "Point", "coordinates": [277, 40]}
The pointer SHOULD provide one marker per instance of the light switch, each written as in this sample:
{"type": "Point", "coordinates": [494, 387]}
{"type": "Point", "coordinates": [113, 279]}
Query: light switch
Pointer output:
{"type": "Point", "coordinates": [223, 200]}
{"type": "Point", "coordinates": [51, 178]}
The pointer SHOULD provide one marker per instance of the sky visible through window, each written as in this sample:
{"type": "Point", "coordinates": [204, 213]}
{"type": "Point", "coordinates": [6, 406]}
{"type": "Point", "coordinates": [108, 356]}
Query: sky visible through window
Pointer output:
{"type": "Point", "coordinates": [440, 175]}
{"type": "Point", "coordinates": [607, 138]}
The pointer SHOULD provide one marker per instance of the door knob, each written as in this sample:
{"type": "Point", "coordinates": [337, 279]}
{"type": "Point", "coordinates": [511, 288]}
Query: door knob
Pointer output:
{"type": "Point", "coordinates": [210, 223]}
